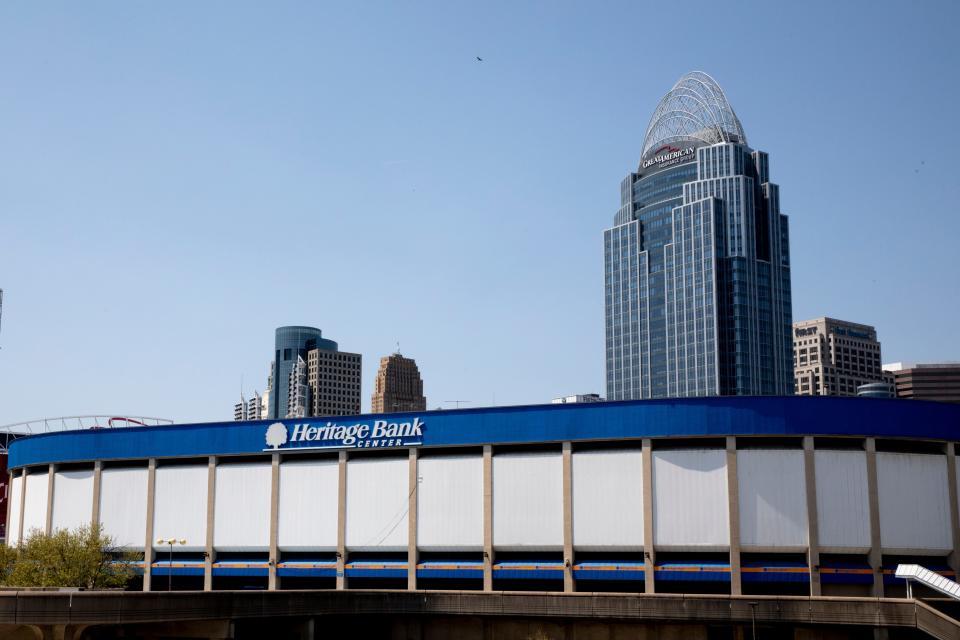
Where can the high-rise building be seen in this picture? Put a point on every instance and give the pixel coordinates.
(939, 382)
(834, 357)
(697, 263)
(398, 386)
(580, 398)
(252, 409)
(332, 376)
(298, 392)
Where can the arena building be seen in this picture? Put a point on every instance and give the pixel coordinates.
(738, 495)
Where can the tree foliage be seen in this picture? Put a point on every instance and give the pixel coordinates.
(83, 557)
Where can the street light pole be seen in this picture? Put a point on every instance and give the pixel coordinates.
(170, 542)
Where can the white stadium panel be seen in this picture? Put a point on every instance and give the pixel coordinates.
(608, 500)
(13, 526)
(528, 501)
(35, 507)
(690, 500)
(450, 503)
(914, 501)
(72, 499)
(378, 501)
(123, 505)
(180, 505)
(773, 498)
(308, 505)
(241, 520)
(843, 502)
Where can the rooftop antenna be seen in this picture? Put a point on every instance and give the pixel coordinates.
(398, 347)
(457, 402)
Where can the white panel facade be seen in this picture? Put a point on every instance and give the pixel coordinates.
(528, 501)
(123, 505)
(308, 505)
(180, 505)
(72, 499)
(773, 498)
(608, 500)
(914, 501)
(843, 503)
(13, 526)
(378, 502)
(241, 520)
(35, 507)
(450, 503)
(690, 503)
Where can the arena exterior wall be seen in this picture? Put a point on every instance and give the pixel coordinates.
(784, 495)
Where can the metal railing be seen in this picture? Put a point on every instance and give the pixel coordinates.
(15, 430)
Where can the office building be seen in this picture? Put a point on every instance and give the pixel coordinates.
(834, 357)
(697, 263)
(398, 386)
(583, 397)
(939, 382)
(332, 376)
(252, 409)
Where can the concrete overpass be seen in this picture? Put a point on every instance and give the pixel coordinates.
(417, 615)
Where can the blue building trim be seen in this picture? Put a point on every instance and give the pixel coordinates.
(688, 417)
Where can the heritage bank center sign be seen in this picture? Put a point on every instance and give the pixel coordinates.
(331, 435)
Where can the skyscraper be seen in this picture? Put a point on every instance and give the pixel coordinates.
(697, 263)
(398, 386)
(332, 376)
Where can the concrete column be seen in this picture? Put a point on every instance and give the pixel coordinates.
(568, 584)
(412, 556)
(733, 494)
(97, 482)
(813, 527)
(954, 558)
(51, 478)
(876, 553)
(148, 544)
(487, 517)
(211, 511)
(649, 551)
(23, 503)
(342, 522)
(6, 533)
(272, 581)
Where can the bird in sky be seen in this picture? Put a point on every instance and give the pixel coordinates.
(479, 59)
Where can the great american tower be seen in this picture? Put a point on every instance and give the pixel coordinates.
(697, 263)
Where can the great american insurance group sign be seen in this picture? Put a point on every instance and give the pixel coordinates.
(332, 435)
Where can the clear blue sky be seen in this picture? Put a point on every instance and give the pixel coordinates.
(177, 179)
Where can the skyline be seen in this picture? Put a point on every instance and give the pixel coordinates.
(148, 170)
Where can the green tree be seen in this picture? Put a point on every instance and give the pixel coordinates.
(84, 557)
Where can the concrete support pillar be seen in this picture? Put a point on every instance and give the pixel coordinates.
(487, 518)
(412, 555)
(6, 533)
(51, 478)
(211, 511)
(876, 549)
(342, 522)
(23, 504)
(813, 526)
(97, 482)
(733, 495)
(148, 542)
(954, 558)
(649, 551)
(273, 582)
(568, 584)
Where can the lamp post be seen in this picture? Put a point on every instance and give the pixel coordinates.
(170, 542)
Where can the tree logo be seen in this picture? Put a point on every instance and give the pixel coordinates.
(276, 435)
